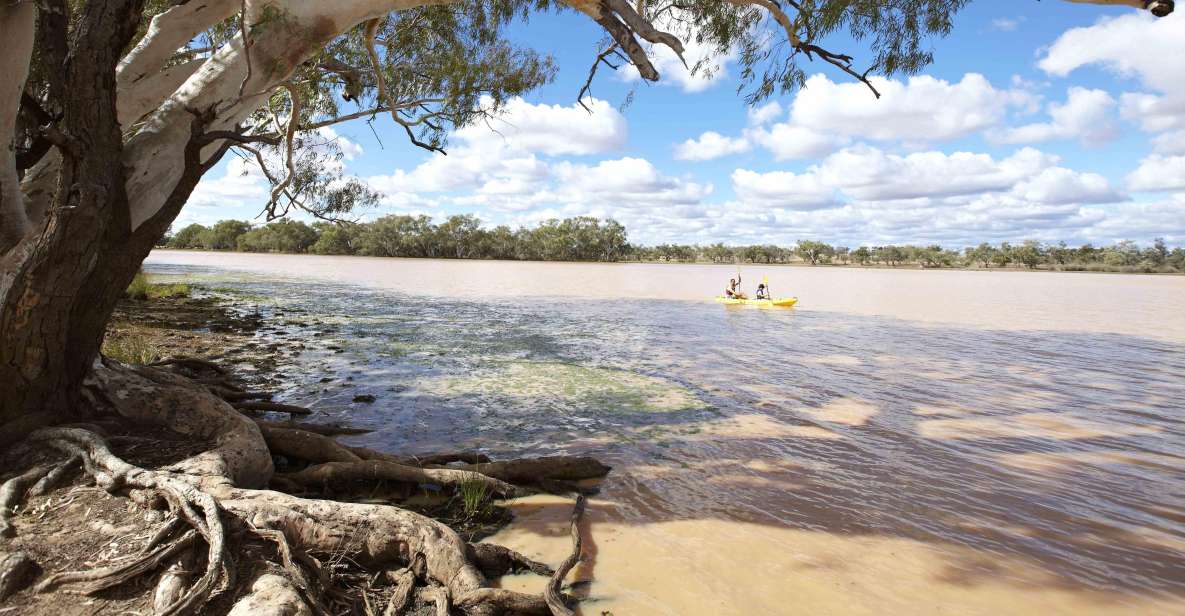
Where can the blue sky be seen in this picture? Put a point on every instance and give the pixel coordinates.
(1043, 120)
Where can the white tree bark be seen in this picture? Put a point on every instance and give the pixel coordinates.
(16, 29)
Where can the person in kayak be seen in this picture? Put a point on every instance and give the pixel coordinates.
(734, 289)
(763, 291)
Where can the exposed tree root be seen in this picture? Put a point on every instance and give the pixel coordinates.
(192, 363)
(314, 539)
(13, 491)
(306, 445)
(95, 580)
(15, 570)
(274, 407)
(322, 429)
(551, 594)
(379, 470)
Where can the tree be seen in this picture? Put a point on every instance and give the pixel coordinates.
(336, 239)
(813, 252)
(862, 255)
(123, 105)
(189, 236)
(224, 235)
(984, 254)
(1028, 254)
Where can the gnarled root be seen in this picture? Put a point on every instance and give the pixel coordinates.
(197, 508)
(13, 491)
(204, 495)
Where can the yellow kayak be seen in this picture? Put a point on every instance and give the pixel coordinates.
(784, 302)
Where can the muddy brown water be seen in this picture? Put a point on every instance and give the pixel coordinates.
(902, 442)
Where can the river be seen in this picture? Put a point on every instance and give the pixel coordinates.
(901, 442)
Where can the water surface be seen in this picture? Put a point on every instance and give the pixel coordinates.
(902, 442)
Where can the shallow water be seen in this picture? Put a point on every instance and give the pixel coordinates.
(901, 442)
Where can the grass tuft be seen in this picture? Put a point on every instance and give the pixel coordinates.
(142, 289)
(130, 347)
(475, 497)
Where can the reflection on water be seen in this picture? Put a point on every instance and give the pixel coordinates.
(793, 461)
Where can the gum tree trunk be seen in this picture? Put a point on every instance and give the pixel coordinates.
(59, 287)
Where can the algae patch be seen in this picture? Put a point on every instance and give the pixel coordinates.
(568, 385)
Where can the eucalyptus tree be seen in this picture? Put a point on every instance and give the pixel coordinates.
(111, 111)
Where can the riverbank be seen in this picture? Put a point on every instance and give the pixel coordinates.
(197, 344)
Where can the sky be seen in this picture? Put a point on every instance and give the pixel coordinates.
(1038, 120)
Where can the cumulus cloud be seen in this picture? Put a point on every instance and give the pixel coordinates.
(626, 182)
(765, 113)
(1134, 45)
(350, 149)
(552, 129)
(1085, 116)
(1170, 143)
(867, 194)
(922, 109)
(710, 145)
(827, 115)
(871, 174)
(241, 182)
(783, 189)
(1158, 173)
(788, 141)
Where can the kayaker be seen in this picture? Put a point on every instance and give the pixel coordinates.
(734, 288)
(763, 291)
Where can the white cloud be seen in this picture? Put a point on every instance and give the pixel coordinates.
(827, 115)
(783, 189)
(552, 129)
(870, 174)
(1170, 143)
(626, 182)
(1058, 186)
(350, 149)
(1134, 45)
(710, 145)
(765, 113)
(1158, 173)
(242, 183)
(1085, 116)
(789, 141)
(922, 109)
(1007, 24)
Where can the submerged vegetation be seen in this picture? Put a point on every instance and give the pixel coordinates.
(591, 239)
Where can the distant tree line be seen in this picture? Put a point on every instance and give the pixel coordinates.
(1124, 256)
(459, 237)
(591, 239)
